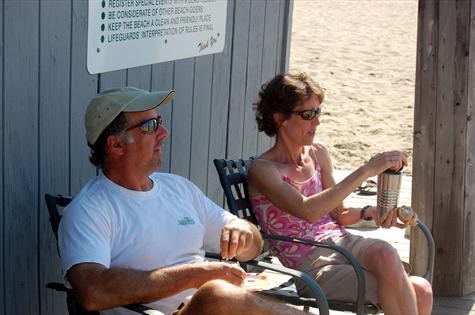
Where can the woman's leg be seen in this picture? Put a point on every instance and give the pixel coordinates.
(387, 283)
(424, 295)
(397, 292)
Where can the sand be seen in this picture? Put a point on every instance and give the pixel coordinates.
(363, 53)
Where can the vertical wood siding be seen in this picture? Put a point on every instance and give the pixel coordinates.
(450, 145)
(2, 166)
(83, 87)
(45, 89)
(162, 79)
(112, 79)
(219, 108)
(424, 127)
(240, 39)
(270, 44)
(468, 268)
(253, 76)
(200, 121)
(443, 141)
(180, 133)
(55, 50)
(21, 143)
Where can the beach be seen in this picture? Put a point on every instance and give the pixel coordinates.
(363, 54)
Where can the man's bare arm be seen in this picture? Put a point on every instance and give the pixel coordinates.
(98, 287)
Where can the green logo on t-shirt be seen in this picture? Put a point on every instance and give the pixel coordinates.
(186, 221)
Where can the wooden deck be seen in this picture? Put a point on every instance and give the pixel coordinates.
(399, 239)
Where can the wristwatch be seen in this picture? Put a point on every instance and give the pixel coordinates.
(362, 213)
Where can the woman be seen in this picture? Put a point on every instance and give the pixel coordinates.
(293, 193)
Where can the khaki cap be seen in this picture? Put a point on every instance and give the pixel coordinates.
(106, 106)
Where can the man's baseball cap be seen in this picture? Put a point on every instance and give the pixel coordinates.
(106, 106)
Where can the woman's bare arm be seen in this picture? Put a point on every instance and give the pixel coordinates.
(265, 179)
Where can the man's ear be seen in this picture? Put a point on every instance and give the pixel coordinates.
(115, 145)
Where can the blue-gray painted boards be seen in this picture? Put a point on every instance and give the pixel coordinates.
(219, 108)
(2, 166)
(162, 79)
(54, 113)
(242, 12)
(200, 122)
(20, 129)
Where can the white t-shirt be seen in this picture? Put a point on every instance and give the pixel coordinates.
(171, 224)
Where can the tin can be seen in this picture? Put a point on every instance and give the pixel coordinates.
(388, 186)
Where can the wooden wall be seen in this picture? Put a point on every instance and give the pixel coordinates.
(45, 89)
(444, 144)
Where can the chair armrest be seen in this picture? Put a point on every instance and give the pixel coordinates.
(311, 283)
(317, 291)
(138, 308)
(431, 246)
(57, 286)
(361, 282)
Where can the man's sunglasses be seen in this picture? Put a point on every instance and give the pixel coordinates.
(308, 114)
(149, 125)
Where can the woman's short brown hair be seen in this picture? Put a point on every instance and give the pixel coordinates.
(282, 94)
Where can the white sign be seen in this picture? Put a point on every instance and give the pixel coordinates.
(131, 33)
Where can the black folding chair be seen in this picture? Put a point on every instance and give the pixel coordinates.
(232, 175)
(57, 202)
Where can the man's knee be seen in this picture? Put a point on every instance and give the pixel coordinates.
(216, 290)
(213, 297)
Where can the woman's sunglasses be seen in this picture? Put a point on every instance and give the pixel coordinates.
(149, 125)
(308, 114)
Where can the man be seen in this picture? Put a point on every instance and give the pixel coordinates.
(132, 235)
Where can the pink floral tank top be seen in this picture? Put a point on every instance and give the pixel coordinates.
(273, 220)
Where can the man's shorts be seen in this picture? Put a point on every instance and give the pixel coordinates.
(334, 273)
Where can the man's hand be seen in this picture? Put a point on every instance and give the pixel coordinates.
(231, 273)
(236, 237)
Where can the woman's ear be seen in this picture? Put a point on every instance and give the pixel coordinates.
(279, 118)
